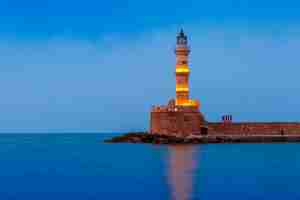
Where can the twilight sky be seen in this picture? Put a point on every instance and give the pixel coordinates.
(98, 66)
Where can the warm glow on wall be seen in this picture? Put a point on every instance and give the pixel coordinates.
(182, 89)
(182, 69)
(187, 102)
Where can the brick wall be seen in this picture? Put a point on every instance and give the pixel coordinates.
(179, 123)
(249, 128)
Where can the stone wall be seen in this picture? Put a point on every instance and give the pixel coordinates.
(249, 128)
(180, 123)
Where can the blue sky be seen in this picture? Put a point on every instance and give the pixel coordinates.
(98, 66)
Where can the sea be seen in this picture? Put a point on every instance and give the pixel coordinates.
(83, 167)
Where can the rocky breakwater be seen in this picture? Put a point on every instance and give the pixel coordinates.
(144, 137)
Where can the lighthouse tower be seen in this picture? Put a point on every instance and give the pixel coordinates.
(181, 116)
(182, 52)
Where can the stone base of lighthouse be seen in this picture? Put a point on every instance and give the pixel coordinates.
(178, 121)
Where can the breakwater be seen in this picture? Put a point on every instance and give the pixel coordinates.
(198, 139)
(254, 128)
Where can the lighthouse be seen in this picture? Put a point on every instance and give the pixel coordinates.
(181, 116)
(182, 72)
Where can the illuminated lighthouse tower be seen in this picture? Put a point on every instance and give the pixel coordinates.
(181, 116)
(182, 52)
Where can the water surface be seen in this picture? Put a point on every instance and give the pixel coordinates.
(81, 166)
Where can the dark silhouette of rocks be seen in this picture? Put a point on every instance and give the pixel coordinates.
(144, 137)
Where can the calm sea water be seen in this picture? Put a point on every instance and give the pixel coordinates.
(80, 166)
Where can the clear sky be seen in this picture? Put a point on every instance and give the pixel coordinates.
(98, 66)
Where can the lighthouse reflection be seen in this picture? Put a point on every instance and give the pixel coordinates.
(182, 165)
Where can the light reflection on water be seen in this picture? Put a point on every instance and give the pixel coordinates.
(182, 163)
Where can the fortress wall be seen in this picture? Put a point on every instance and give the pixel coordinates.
(179, 123)
(252, 128)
